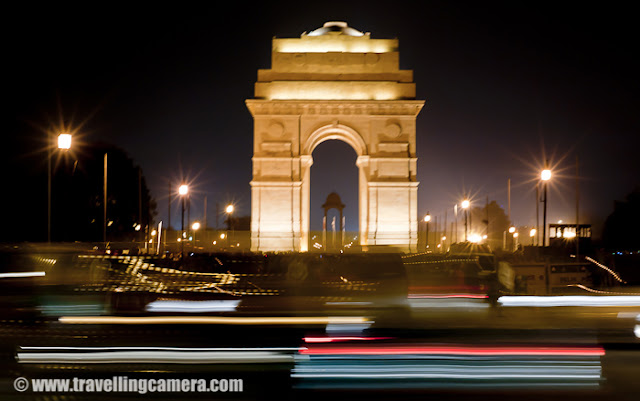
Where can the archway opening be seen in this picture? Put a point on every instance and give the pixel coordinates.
(334, 170)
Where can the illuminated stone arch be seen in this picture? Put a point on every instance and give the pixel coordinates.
(335, 132)
(334, 83)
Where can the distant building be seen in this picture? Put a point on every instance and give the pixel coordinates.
(564, 236)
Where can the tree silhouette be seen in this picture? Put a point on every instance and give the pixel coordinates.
(496, 224)
(620, 231)
(78, 197)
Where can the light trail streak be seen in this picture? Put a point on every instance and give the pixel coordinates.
(274, 320)
(469, 351)
(569, 300)
(193, 306)
(22, 274)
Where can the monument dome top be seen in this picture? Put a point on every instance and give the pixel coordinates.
(335, 28)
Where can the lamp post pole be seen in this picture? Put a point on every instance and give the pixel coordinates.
(545, 176)
(183, 191)
(64, 142)
(104, 202)
(465, 205)
(427, 219)
(229, 209)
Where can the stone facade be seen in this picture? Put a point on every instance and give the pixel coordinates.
(334, 83)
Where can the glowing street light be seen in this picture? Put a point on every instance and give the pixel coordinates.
(64, 143)
(229, 209)
(532, 234)
(512, 229)
(545, 175)
(427, 219)
(195, 226)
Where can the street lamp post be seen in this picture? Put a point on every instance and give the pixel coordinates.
(195, 227)
(183, 190)
(465, 205)
(545, 176)
(229, 210)
(427, 219)
(512, 231)
(64, 142)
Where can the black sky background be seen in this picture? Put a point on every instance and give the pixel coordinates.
(506, 84)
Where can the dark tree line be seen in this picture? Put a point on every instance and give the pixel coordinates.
(78, 200)
(622, 227)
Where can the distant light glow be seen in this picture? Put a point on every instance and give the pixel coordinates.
(195, 226)
(512, 229)
(183, 189)
(427, 218)
(533, 232)
(475, 238)
(223, 236)
(545, 175)
(230, 209)
(465, 204)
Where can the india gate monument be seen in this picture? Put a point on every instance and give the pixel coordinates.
(334, 83)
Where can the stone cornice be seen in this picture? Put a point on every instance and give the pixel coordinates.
(260, 107)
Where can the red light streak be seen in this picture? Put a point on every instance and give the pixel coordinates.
(442, 296)
(339, 339)
(471, 351)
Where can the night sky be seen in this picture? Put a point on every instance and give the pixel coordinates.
(507, 85)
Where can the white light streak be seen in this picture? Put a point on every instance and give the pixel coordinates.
(193, 306)
(22, 274)
(570, 300)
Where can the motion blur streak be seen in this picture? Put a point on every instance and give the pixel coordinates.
(272, 320)
(444, 296)
(453, 367)
(22, 274)
(495, 351)
(570, 300)
(193, 306)
(455, 303)
(156, 357)
(340, 339)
